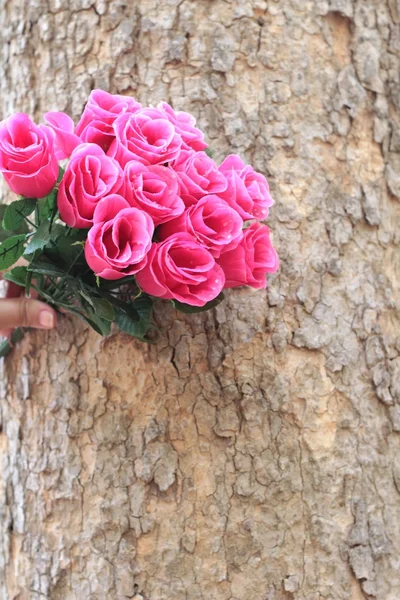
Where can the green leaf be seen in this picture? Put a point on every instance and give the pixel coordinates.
(11, 250)
(189, 310)
(77, 235)
(44, 267)
(209, 152)
(16, 336)
(17, 275)
(58, 231)
(127, 325)
(126, 307)
(4, 234)
(47, 205)
(70, 249)
(144, 307)
(101, 329)
(102, 307)
(116, 283)
(16, 212)
(40, 238)
(92, 307)
(99, 324)
(49, 254)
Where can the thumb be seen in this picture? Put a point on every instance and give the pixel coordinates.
(25, 312)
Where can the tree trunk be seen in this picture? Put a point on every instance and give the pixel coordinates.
(252, 453)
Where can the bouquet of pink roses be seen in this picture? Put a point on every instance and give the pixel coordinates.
(138, 210)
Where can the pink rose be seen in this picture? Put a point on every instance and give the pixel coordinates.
(180, 269)
(100, 133)
(251, 260)
(248, 191)
(63, 127)
(199, 176)
(211, 221)
(185, 125)
(154, 189)
(118, 243)
(27, 156)
(89, 177)
(101, 110)
(146, 136)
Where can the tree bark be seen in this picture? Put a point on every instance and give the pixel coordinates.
(252, 453)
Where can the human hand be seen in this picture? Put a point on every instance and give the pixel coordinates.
(18, 311)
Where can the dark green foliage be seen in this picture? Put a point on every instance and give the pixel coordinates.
(15, 213)
(188, 309)
(11, 250)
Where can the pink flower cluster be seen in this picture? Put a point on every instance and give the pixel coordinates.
(156, 205)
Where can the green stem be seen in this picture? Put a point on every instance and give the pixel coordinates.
(77, 257)
(59, 291)
(52, 219)
(30, 222)
(5, 252)
(52, 288)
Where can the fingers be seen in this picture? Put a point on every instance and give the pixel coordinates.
(13, 290)
(25, 312)
(6, 333)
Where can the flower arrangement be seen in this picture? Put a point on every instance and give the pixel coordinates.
(136, 210)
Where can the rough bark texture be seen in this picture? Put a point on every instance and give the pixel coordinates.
(253, 452)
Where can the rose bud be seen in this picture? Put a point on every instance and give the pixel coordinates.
(118, 243)
(27, 156)
(211, 221)
(251, 260)
(89, 177)
(181, 269)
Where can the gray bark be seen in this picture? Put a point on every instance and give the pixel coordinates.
(253, 452)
